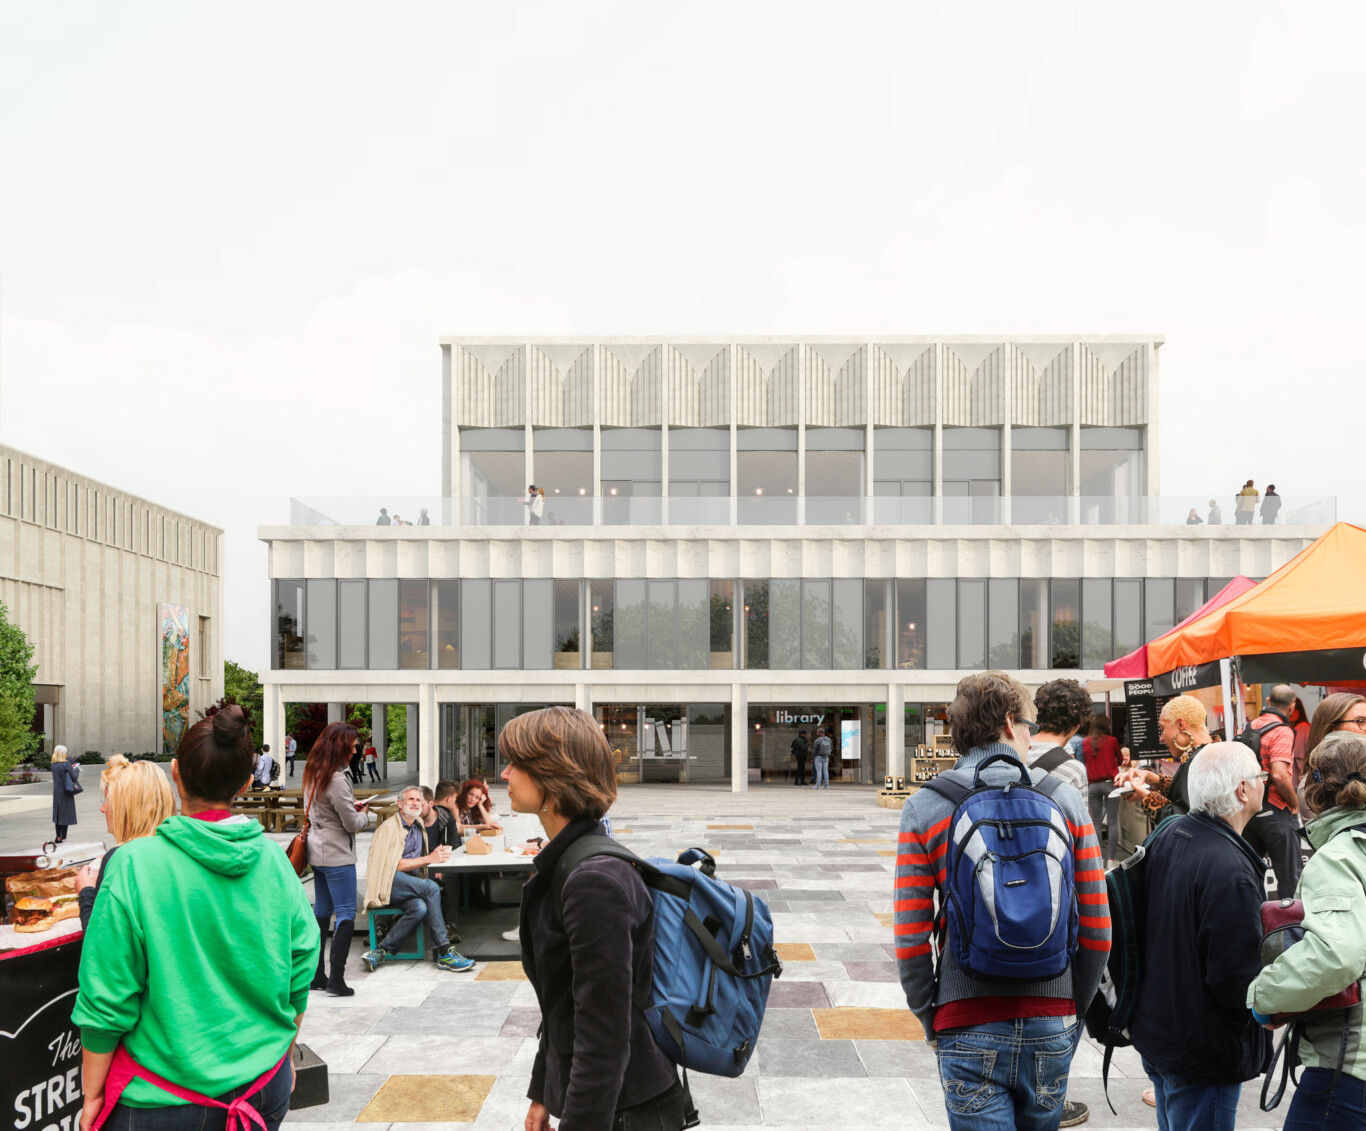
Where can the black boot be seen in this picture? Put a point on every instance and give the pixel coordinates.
(320, 978)
(341, 947)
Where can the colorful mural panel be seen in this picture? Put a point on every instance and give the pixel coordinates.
(175, 675)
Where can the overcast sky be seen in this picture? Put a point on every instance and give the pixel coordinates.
(230, 237)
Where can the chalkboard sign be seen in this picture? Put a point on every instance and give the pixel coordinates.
(40, 1049)
(1143, 707)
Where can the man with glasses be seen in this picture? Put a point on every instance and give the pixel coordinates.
(1274, 832)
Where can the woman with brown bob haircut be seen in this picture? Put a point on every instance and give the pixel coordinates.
(597, 1057)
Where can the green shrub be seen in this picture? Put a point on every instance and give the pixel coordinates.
(91, 758)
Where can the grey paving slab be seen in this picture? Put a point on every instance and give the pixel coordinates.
(852, 952)
(347, 1095)
(871, 971)
(722, 1102)
(806, 895)
(856, 1103)
(790, 1024)
(830, 1060)
(423, 1055)
(852, 867)
(804, 995)
(897, 1058)
(523, 1021)
(755, 885)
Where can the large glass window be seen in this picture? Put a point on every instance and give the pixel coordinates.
(351, 624)
(568, 654)
(538, 623)
(1038, 474)
(722, 597)
(476, 624)
(567, 480)
(1190, 595)
(910, 624)
(756, 624)
(903, 475)
(766, 467)
(662, 631)
(972, 623)
(494, 480)
(1111, 463)
(289, 624)
(412, 624)
(446, 618)
(784, 624)
(971, 475)
(816, 624)
(699, 467)
(875, 623)
(941, 622)
(629, 625)
(1159, 607)
(1097, 632)
(846, 621)
(600, 614)
(1034, 613)
(322, 624)
(693, 632)
(632, 474)
(507, 624)
(1128, 615)
(1066, 631)
(1003, 623)
(383, 635)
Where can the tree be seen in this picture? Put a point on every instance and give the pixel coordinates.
(18, 741)
(243, 687)
(398, 732)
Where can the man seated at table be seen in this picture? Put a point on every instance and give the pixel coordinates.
(395, 876)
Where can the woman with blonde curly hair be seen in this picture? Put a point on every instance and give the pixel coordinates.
(1332, 954)
(1181, 729)
(136, 799)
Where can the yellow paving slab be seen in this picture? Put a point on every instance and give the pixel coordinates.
(730, 826)
(867, 840)
(428, 1099)
(886, 851)
(795, 952)
(501, 972)
(884, 917)
(852, 1023)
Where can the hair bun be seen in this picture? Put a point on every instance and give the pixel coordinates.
(228, 724)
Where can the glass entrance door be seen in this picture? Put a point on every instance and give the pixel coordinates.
(469, 738)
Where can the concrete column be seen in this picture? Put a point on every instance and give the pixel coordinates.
(739, 738)
(379, 735)
(412, 725)
(734, 434)
(273, 724)
(335, 712)
(429, 723)
(583, 697)
(896, 729)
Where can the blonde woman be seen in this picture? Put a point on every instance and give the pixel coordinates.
(1181, 729)
(66, 783)
(136, 799)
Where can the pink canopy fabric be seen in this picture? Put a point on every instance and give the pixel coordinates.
(1135, 664)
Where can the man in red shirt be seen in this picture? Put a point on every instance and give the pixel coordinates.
(1274, 832)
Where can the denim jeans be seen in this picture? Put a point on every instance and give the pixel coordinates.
(1007, 1074)
(1315, 1105)
(1192, 1104)
(820, 771)
(334, 891)
(1101, 804)
(420, 899)
(272, 1102)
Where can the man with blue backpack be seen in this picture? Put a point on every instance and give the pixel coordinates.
(1002, 925)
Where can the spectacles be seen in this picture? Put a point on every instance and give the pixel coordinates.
(1028, 724)
(1358, 722)
(1263, 776)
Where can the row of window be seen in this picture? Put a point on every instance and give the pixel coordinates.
(692, 624)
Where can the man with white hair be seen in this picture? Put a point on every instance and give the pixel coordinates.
(1192, 1027)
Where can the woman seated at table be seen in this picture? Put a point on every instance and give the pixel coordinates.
(474, 809)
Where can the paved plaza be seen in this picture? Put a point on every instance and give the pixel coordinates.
(420, 1048)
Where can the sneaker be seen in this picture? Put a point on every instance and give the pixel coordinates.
(1150, 1097)
(1074, 1114)
(449, 959)
(373, 959)
(514, 935)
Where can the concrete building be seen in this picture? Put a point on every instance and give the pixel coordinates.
(86, 571)
(739, 539)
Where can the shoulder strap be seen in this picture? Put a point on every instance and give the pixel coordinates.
(1048, 785)
(581, 850)
(951, 788)
(1050, 760)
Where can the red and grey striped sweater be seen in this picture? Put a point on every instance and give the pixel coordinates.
(929, 974)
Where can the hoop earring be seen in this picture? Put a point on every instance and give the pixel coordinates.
(1187, 748)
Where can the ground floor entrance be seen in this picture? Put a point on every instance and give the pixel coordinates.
(468, 738)
(668, 742)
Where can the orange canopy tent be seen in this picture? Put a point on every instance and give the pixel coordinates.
(1135, 664)
(1305, 623)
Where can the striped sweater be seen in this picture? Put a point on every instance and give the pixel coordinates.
(929, 973)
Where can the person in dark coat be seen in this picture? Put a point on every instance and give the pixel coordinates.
(66, 783)
(597, 1057)
(1192, 1026)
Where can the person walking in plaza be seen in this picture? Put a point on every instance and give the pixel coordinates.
(1275, 831)
(1216, 514)
(1104, 758)
(353, 765)
(291, 749)
(264, 773)
(66, 783)
(194, 972)
(820, 760)
(1181, 729)
(395, 875)
(141, 801)
(1332, 954)
(334, 819)
(800, 749)
(1271, 505)
(1246, 501)
(1004, 1046)
(588, 964)
(371, 760)
(1197, 1039)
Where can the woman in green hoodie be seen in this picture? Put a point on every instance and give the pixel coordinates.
(195, 967)
(1332, 954)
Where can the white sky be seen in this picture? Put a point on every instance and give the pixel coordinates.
(230, 237)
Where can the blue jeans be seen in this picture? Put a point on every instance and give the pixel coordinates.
(1007, 1074)
(1343, 1108)
(1183, 1103)
(334, 891)
(420, 899)
(820, 771)
(272, 1102)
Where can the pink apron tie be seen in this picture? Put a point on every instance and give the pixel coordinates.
(241, 1115)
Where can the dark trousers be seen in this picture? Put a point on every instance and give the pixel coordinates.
(61, 831)
(801, 771)
(272, 1102)
(1274, 833)
(1320, 1103)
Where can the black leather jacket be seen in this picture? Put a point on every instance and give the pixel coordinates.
(597, 1052)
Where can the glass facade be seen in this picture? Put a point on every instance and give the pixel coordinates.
(691, 624)
(858, 744)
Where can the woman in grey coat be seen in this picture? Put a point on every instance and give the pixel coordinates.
(66, 783)
(334, 818)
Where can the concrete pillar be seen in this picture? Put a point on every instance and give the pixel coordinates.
(429, 724)
(896, 730)
(379, 735)
(739, 738)
(413, 752)
(335, 711)
(273, 722)
(583, 697)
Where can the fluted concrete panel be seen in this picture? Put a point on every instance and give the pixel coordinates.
(886, 406)
(699, 385)
(784, 390)
(614, 390)
(957, 386)
(1114, 384)
(547, 391)
(834, 385)
(578, 393)
(509, 392)
(474, 388)
(988, 388)
(647, 391)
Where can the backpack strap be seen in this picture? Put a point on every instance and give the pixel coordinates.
(950, 786)
(1050, 760)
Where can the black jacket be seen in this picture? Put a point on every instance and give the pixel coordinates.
(597, 1052)
(1204, 898)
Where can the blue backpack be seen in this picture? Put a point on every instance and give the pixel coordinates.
(713, 960)
(1009, 892)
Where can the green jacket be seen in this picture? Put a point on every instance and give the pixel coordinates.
(198, 957)
(1333, 951)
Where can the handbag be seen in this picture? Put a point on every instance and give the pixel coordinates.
(298, 847)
